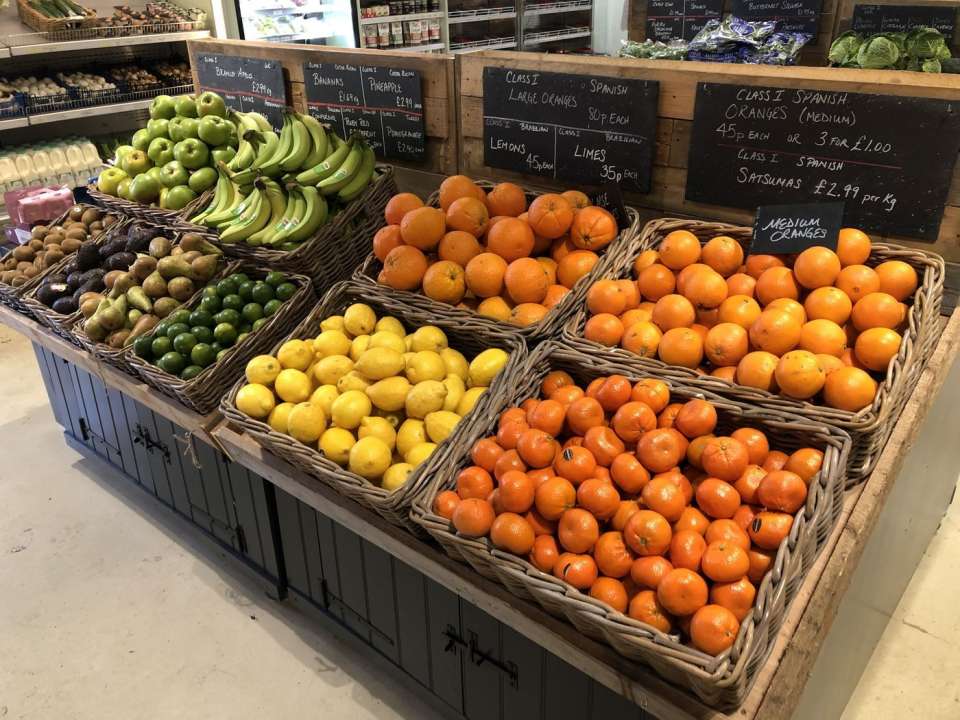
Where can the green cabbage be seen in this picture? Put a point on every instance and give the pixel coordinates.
(843, 50)
(878, 52)
(924, 43)
(931, 66)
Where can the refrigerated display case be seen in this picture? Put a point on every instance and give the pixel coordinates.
(312, 22)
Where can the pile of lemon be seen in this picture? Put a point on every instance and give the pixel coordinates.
(368, 395)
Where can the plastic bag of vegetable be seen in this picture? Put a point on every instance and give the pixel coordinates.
(843, 50)
(878, 52)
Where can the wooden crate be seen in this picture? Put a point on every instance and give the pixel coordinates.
(678, 86)
(439, 98)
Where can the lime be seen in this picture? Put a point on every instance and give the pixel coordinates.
(176, 329)
(226, 287)
(225, 334)
(252, 312)
(286, 290)
(271, 307)
(221, 354)
(275, 279)
(184, 342)
(239, 278)
(179, 316)
(262, 293)
(202, 333)
(201, 318)
(257, 324)
(210, 291)
(210, 304)
(216, 347)
(244, 327)
(246, 290)
(202, 355)
(241, 337)
(161, 328)
(231, 317)
(141, 346)
(173, 363)
(190, 372)
(161, 346)
(233, 302)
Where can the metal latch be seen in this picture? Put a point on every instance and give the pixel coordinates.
(454, 641)
(478, 657)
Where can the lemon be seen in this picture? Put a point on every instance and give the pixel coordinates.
(256, 400)
(394, 418)
(396, 475)
(408, 356)
(391, 325)
(408, 342)
(369, 458)
(331, 342)
(412, 432)
(455, 390)
(352, 381)
(455, 363)
(295, 354)
(330, 369)
(335, 444)
(485, 366)
(418, 453)
(378, 427)
(440, 424)
(424, 398)
(293, 386)
(306, 422)
(469, 399)
(334, 322)
(389, 394)
(359, 319)
(263, 370)
(425, 365)
(324, 397)
(379, 363)
(349, 409)
(384, 339)
(278, 417)
(429, 337)
(359, 346)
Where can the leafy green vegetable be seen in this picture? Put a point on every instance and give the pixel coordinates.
(878, 52)
(924, 43)
(931, 66)
(843, 50)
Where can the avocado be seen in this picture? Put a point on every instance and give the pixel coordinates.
(49, 293)
(88, 257)
(75, 279)
(120, 261)
(65, 306)
(95, 274)
(113, 247)
(138, 238)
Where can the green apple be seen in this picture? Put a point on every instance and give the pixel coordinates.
(186, 106)
(136, 162)
(203, 179)
(178, 198)
(173, 174)
(181, 128)
(234, 139)
(191, 153)
(162, 107)
(158, 128)
(144, 188)
(222, 154)
(123, 189)
(154, 172)
(141, 140)
(121, 153)
(110, 179)
(213, 129)
(209, 103)
(160, 150)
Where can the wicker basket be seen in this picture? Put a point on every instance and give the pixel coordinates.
(552, 323)
(338, 247)
(41, 23)
(720, 681)
(394, 506)
(869, 428)
(203, 392)
(168, 219)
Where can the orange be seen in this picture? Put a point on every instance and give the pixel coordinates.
(599, 497)
(506, 198)
(705, 289)
(593, 228)
(760, 563)
(649, 570)
(485, 452)
(805, 462)
(682, 592)
(511, 239)
(696, 417)
(550, 215)
(512, 533)
(544, 554)
(725, 561)
(853, 247)
(610, 592)
(876, 347)
(459, 247)
(423, 228)
(642, 338)
(757, 369)
(661, 449)
(727, 530)
(714, 629)
(399, 205)
(673, 311)
(536, 448)
(526, 314)
(468, 214)
(605, 329)
(823, 337)
(404, 268)
(725, 458)
(737, 597)
(612, 392)
(646, 608)
(897, 278)
(644, 260)
(829, 363)
(656, 281)
(561, 247)
(445, 503)
(877, 309)
(484, 274)
(386, 239)
(683, 277)
(723, 254)
(775, 461)
(606, 296)
(613, 557)
(664, 496)
(631, 292)
(578, 570)
(799, 375)
(741, 284)
(849, 388)
(739, 309)
(686, 549)
(828, 303)
(555, 295)
(726, 344)
(655, 393)
(755, 265)
(728, 373)
(692, 519)
(526, 281)
(756, 443)
(495, 307)
(549, 267)
(775, 331)
(647, 533)
(554, 497)
(776, 282)
(857, 281)
(681, 346)
(458, 186)
(717, 498)
(748, 482)
(816, 267)
(782, 490)
(679, 249)
(577, 530)
(769, 529)
(444, 282)
(473, 517)
(604, 443)
(574, 266)
(793, 308)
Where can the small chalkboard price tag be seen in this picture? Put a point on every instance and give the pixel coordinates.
(610, 199)
(246, 84)
(781, 229)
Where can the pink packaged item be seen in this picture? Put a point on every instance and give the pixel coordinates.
(29, 206)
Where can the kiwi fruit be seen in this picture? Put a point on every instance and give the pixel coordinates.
(77, 232)
(76, 212)
(23, 253)
(36, 245)
(90, 215)
(39, 231)
(70, 245)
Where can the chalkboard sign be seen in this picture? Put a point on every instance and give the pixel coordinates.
(246, 84)
(791, 15)
(572, 128)
(870, 19)
(610, 199)
(890, 159)
(782, 229)
(668, 19)
(384, 104)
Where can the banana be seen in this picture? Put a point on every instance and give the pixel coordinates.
(273, 167)
(266, 146)
(318, 141)
(251, 223)
(345, 172)
(300, 147)
(222, 197)
(314, 216)
(358, 183)
(296, 206)
(335, 142)
(232, 211)
(244, 157)
(329, 166)
(278, 208)
(262, 123)
(243, 177)
(245, 123)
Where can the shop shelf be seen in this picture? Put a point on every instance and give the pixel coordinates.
(128, 102)
(558, 7)
(555, 35)
(500, 43)
(13, 122)
(468, 16)
(400, 18)
(39, 43)
(419, 48)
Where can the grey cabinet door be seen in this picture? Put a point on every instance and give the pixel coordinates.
(51, 383)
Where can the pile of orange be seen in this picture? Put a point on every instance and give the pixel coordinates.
(634, 500)
(489, 252)
(820, 323)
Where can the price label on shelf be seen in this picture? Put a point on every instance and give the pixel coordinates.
(781, 229)
(669, 19)
(870, 19)
(246, 84)
(384, 104)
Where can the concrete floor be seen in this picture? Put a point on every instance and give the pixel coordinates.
(113, 607)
